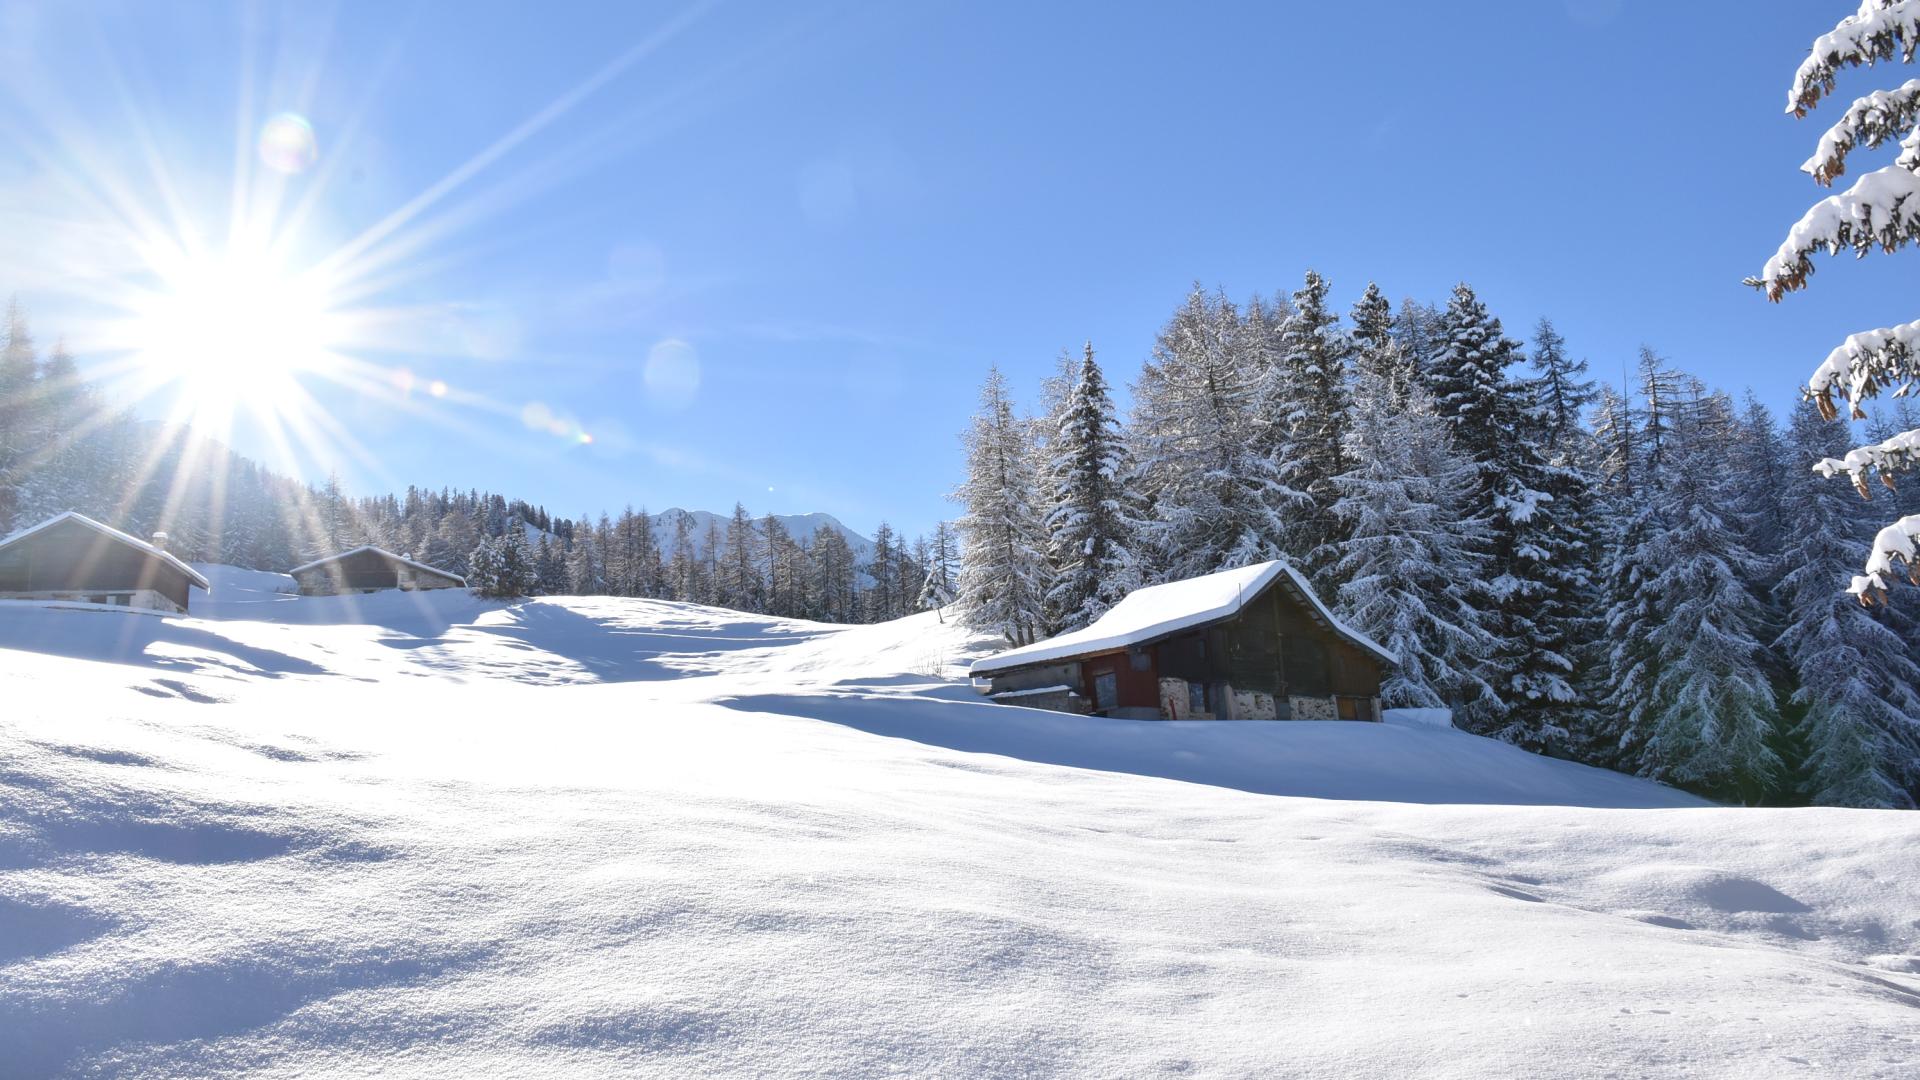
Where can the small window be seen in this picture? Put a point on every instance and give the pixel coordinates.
(121, 599)
(1106, 690)
(1196, 697)
(96, 599)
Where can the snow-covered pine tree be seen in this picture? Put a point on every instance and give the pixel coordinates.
(1494, 423)
(939, 590)
(684, 568)
(551, 567)
(1562, 391)
(19, 376)
(878, 601)
(519, 571)
(1306, 404)
(1880, 210)
(786, 569)
(584, 568)
(1091, 520)
(1003, 572)
(1411, 553)
(1565, 540)
(484, 570)
(830, 588)
(1202, 451)
(1689, 688)
(1379, 357)
(1854, 697)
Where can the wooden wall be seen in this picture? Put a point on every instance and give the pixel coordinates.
(71, 557)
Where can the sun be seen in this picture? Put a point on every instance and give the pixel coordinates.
(231, 330)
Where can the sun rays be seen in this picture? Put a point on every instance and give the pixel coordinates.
(240, 301)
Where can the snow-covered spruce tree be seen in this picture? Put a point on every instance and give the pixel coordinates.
(1091, 521)
(1412, 553)
(484, 570)
(1003, 565)
(1880, 210)
(1855, 698)
(519, 570)
(1689, 689)
(1379, 356)
(1202, 449)
(1567, 538)
(1494, 423)
(1309, 415)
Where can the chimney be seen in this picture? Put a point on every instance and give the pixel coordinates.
(160, 541)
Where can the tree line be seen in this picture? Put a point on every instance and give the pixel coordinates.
(65, 446)
(1650, 577)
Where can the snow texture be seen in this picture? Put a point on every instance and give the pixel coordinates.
(424, 835)
(1159, 610)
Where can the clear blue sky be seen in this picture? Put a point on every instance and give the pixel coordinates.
(846, 212)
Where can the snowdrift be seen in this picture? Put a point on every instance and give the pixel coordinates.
(430, 836)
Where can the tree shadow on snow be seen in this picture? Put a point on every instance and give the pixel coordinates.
(125, 637)
(1313, 759)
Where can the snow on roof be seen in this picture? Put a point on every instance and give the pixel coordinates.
(1159, 610)
(113, 534)
(1036, 691)
(382, 552)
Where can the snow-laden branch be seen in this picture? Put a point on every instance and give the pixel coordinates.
(1870, 121)
(1898, 454)
(1896, 549)
(1881, 209)
(1863, 365)
(1878, 31)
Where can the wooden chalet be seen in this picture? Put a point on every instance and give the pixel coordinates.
(370, 569)
(74, 558)
(1247, 644)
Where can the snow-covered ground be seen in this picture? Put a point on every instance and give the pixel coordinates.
(424, 835)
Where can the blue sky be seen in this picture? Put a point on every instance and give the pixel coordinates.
(841, 214)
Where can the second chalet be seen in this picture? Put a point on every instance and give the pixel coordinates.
(1248, 644)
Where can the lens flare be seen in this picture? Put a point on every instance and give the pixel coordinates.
(287, 144)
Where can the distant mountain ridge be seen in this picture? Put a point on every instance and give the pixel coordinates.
(802, 527)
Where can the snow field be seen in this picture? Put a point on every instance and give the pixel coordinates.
(627, 838)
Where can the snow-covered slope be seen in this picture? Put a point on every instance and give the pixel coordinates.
(424, 835)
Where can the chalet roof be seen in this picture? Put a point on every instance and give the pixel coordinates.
(110, 533)
(1159, 611)
(383, 553)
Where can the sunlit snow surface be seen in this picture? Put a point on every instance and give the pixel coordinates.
(429, 836)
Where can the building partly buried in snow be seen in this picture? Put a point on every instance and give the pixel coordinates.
(1247, 644)
(75, 558)
(370, 569)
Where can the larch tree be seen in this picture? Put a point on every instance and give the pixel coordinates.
(1003, 566)
(1411, 551)
(1092, 521)
(738, 584)
(1202, 449)
(1879, 210)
